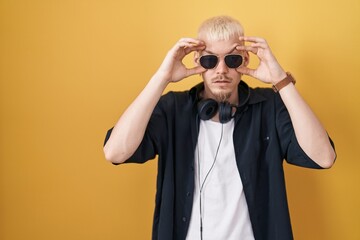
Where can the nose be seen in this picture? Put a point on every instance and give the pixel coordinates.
(221, 68)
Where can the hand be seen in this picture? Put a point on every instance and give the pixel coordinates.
(172, 68)
(268, 70)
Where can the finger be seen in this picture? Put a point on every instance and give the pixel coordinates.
(254, 40)
(185, 44)
(251, 39)
(190, 45)
(192, 41)
(195, 70)
(263, 45)
(184, 48)
(254, 50)
(246, 71)
(187, 39)
(194, 48)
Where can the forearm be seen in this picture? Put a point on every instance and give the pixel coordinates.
(309, 131)
(129, 131)
(130, 128)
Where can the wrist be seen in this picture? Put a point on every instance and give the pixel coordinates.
(161, 80)
(283, 82)
(279, 77)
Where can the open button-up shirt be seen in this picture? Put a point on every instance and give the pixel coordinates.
(263, 137)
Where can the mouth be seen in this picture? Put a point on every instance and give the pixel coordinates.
(221, 82)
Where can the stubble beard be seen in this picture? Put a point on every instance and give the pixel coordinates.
(222, 96)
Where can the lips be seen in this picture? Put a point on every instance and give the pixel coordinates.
(221, 79)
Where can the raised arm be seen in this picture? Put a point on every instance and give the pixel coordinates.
(128, 132)
(309, 131)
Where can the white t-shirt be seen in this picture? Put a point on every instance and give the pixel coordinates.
(225, 213)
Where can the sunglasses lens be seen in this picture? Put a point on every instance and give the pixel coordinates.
(208, 61)
(233, 61)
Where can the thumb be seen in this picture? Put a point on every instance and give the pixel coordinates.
(246, 71)
(195, 70)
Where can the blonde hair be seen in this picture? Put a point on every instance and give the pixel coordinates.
(220, 28)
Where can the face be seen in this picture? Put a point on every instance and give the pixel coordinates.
(221, 82)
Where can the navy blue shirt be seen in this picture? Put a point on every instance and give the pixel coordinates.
(263, 137)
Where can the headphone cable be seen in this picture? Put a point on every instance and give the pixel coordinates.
(202, 185)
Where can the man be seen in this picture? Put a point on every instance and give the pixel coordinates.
(221, 145)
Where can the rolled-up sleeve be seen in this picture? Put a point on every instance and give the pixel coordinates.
(291, 150)
(149, 145)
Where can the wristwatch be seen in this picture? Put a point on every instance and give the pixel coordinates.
(283, 83)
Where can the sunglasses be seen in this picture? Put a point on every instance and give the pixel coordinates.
(231, 60)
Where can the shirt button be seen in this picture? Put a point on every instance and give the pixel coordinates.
(188, 194)
(184, 219)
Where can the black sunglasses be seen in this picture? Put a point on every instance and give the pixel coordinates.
(231, 60)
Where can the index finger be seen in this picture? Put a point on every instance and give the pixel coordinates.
(192, 41)
(193, 47)
(252, 39)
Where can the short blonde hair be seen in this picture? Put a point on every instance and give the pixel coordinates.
(220, 28)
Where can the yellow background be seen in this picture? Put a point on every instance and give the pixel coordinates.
(69, 68)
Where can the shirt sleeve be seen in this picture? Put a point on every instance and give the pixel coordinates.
(149, 145)
(290, 147)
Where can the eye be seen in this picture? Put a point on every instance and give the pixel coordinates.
(208, 61)
(233, 60)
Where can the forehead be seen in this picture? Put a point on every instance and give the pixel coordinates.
(221, 46)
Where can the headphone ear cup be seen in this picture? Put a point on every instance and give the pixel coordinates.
(207, 108)
(225, 112)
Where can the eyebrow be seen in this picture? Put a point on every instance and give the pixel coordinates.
(210, 52)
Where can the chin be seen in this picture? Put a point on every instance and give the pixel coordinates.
(222, 96)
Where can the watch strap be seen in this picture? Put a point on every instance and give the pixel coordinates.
(283, 83)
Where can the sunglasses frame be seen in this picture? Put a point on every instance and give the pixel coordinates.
(217, 57)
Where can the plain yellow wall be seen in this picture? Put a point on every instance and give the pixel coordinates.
(69, 68)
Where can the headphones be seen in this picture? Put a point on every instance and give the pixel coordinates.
(207, 108)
